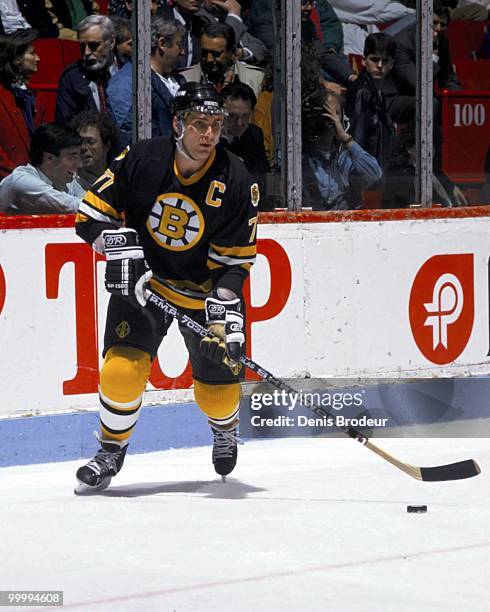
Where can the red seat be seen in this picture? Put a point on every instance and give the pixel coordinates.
(465, 135)
(465, 38)
(70, 50)
(473, 74)
(356, 62)
(51, 65)
(103, 6)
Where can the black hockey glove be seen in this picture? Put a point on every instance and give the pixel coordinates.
(225, 321)
(126, 272)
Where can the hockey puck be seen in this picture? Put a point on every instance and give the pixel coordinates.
(416, 509)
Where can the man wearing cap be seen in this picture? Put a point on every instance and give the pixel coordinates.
(184, 213)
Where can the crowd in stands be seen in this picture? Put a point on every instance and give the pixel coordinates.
(358, 94)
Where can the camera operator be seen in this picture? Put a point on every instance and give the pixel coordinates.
(335, 167)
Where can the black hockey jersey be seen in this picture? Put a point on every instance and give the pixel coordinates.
(197, 233)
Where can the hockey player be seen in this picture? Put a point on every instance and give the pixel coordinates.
(180, 214)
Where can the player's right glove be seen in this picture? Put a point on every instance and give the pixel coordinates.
(126, 272)
(225, 322)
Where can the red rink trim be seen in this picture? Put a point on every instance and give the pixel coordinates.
(404, 214)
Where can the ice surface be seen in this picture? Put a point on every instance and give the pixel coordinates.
(303, 525)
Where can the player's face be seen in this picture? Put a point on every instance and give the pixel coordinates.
(238, 118)
(63, 167)
(93, 151)
(96, 52)
(202, 133)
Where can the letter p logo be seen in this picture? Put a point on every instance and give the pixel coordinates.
(441, 308)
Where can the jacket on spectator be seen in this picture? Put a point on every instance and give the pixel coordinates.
(370, 123)
(332, 180)
(250, 75)
(14, 135)
(404, 68)
(29, 191)
(262, 24)
(243, 37)
(75, 94)
(359, 17)
(119, 93)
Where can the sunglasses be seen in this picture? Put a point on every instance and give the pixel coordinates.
(215, 54)
(93, 46)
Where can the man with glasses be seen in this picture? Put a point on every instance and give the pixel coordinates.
(184, 214)
(166, 49)
(219, 65)
(83, 84)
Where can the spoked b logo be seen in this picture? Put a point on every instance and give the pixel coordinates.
(442, 307)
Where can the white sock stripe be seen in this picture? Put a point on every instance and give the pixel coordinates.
(226, 420)
(117, 422)
(119, 405)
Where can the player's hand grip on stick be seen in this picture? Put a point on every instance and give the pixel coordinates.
(436, 473)
(225, 322)
(127, 271)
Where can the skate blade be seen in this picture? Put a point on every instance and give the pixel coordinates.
(223, 478)
(85, 489)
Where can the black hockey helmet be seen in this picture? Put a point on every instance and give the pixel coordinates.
(197, 97)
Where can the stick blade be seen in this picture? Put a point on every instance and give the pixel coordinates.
(452, 471)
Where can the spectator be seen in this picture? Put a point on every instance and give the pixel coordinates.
(48, 184)
(218, 64)
(166, 48)
(21, 111)
(124, 8)
(404, 70)
(328, 41)
(360, 17)
(335, 167)
(184, 11)
(23, 15)
(124, 40)
(242, 137)
(399, 189)
(83, 84)
(100, 144)
(369, 97)
(121, 8)
(249, 48)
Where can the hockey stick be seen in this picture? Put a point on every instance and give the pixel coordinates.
(451, 471)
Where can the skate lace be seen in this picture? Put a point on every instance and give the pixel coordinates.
(104, 461)
(225, 443)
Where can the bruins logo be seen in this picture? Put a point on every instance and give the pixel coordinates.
(175, 222)
(255, 194)
(123, 329)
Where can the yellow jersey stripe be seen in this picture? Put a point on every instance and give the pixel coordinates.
(197, 175)
(177, 298)
(99, 205)
(237, 251)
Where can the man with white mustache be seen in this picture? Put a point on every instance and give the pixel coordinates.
(83, 84)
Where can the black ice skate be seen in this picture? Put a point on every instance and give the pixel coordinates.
(225, 450)
(97, 474)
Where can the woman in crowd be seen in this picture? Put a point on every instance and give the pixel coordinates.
(21, 110)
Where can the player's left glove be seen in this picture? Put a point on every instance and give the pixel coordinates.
(225, 321)
(126, 272)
